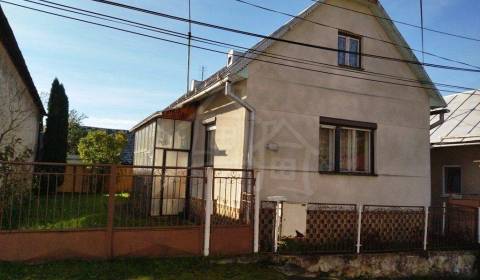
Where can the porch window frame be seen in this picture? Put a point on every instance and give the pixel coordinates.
(160, 151)
(337, 125)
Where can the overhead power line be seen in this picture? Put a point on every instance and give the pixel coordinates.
(362, 35)
(221, 52)
(248, 33)
(466, 37)
(74, 10)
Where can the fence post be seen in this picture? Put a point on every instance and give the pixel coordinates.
(111, 208)
(256, 221)
(425, 232)
(478, 225)
(278, 222)
(444, 214)
(208, 210)
(359, 227)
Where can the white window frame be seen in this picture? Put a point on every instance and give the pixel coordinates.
(331, 147)
(444, 173)
(347, 48)
(353, 156)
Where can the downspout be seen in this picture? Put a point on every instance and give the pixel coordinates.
(251, 120)
(251, 129)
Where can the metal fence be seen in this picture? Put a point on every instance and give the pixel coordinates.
(268, 226)
(392, 228)
(233, 196)
(40, 196)
(330, 228)
(453, 227)
(344, 228)
(53, 196)
(160, 196)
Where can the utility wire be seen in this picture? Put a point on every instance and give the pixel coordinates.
(466, 37)
(222, 44)
(421, 31)
(177, 18)
(221, 52)
(362, 35)
(189, 48)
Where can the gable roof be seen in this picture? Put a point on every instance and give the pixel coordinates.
(7, 39)
(462, 123)
(436, 99)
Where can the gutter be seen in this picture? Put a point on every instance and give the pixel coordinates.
(202, 93)
(251, 128)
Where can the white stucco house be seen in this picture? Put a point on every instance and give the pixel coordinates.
(327, 131)
(21, 110)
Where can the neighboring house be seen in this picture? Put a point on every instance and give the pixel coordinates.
(21, 109)
(313, 137)
(455, 152)
(127, 153)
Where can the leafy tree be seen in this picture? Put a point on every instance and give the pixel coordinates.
(56, 134)
(100, 147)
(75, 130)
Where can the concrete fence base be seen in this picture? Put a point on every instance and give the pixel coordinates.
(389, 265)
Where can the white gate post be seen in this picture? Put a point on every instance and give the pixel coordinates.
(425, 232)
(359, 227)
(256, 222)
(208, 210)
(278, 221)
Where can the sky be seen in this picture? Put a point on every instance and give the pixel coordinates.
(117, 79)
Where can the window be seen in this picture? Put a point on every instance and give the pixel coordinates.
(346, 146)
(173, 134)
(209, 145)
(452, 179)
(349, 50)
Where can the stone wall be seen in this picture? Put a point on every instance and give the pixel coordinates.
(391, 265)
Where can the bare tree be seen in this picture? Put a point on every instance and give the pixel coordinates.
(15, 111)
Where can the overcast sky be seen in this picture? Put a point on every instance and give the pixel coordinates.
(117, 79)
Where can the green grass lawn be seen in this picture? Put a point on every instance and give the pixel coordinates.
(147, 269)
(73, 210)
(139, 269)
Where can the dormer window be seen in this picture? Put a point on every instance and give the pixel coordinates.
(348, 50)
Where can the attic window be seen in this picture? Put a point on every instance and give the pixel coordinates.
(349, 47)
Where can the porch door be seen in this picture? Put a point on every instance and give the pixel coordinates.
(172, 149)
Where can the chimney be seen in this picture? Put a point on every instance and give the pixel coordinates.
(233, 57)
(194, 84)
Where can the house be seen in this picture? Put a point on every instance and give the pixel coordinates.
(21, 110)
(330, 135)
(455, 149)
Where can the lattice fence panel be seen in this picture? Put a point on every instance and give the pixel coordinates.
(331, 228)
(392, 228)
(267, 226)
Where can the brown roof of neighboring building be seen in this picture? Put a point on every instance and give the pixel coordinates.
(7, 39)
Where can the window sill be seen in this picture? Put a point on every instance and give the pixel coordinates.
(348, 173)
(351, 67)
